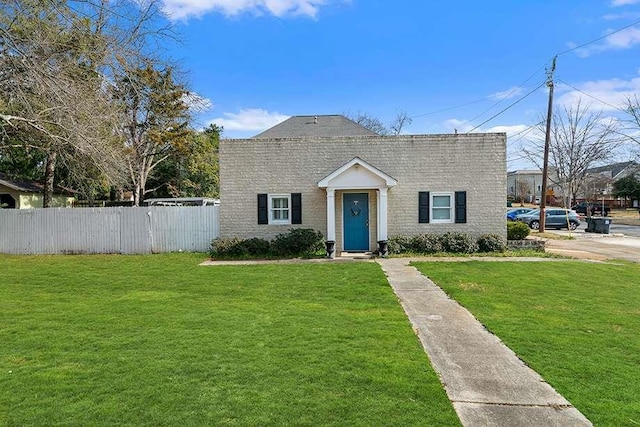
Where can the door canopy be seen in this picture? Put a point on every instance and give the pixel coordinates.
(357, 175)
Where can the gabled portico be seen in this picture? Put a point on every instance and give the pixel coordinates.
(351, 177)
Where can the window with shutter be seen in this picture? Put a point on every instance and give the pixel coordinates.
(423, 207)
(461, 207)
(263, 210)
(296, 208)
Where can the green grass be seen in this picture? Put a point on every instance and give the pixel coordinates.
(519, 253)
(577, 324)
(159, 340)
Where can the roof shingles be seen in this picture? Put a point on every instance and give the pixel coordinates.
(315, 126)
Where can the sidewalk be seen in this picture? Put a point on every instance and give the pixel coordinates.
(486, 382)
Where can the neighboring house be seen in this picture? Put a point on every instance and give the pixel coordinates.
(524, 183)
(599, 181)
(358, 188)
(28, 194)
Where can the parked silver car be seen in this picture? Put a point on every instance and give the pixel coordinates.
(554, 218)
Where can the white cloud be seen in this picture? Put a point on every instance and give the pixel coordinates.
(509, 130)
(249, 120)
(616, 3)
(624, 39)
(512, 92)
(624, 15)
(461, 126)
(606, 95)
(184, 9)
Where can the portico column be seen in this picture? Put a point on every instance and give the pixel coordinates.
(331, 222)
(382, 222)
(382, 214)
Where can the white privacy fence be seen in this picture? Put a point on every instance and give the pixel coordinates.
(125, 230)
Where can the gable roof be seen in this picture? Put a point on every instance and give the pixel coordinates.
(315, 126)
(356, 162)
(615, 169)
(30, 186)
(24, 186)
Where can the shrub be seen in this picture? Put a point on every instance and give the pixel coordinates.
(225, 248)
(491, 243)
(456, 242)
(298, 241)
(426, 244)
(517, 230)
(398, 244)
(256, 246)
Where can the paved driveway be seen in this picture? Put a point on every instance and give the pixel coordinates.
(596, 246)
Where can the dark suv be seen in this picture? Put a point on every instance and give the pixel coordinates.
(593, 207)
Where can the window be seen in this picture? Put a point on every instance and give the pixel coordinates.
(279, 208)
(441, 207)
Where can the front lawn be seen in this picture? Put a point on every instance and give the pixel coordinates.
(576, 324)
(159, 340)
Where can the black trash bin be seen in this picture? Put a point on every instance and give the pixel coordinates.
(601, 224)
(591, 225)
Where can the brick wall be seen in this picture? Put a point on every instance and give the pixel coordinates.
(474, 163)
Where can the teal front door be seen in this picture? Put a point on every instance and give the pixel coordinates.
(355, 207)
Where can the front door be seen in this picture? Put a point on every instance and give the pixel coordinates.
(355, 216)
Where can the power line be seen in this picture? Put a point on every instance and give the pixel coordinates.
(591, 96)
(486, 98)
(503, 99)
(509, 106)
(451, 108)
(599, 38)
(523, 132)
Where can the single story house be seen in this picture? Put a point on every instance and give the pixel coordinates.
(359, 188)
(29, 194)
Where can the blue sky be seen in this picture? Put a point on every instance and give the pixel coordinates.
(261, 61)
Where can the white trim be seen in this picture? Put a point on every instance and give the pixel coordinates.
(356, 161)
(331, 214)
(272, 221)
(451, 219)
(381, 232)
(368, 218)
(358, 176)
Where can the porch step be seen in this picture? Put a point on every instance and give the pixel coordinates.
(355, 255)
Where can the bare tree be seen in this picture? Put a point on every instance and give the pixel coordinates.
(402, 119)
(376, 125)
(631, 124)
(368, 121)
(57, 59)
(579, 140)
(595, 186)
(523, 188)
(154, 122)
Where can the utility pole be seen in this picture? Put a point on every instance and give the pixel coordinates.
(547, 142)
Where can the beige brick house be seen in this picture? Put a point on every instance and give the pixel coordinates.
(359, 188)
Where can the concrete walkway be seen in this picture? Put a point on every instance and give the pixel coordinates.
(486, 382)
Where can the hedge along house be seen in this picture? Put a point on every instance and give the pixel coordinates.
(359, 188)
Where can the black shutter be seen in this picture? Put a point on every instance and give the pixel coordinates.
(423, 207)
(296, 208)
(263, 210)
(461, 207)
